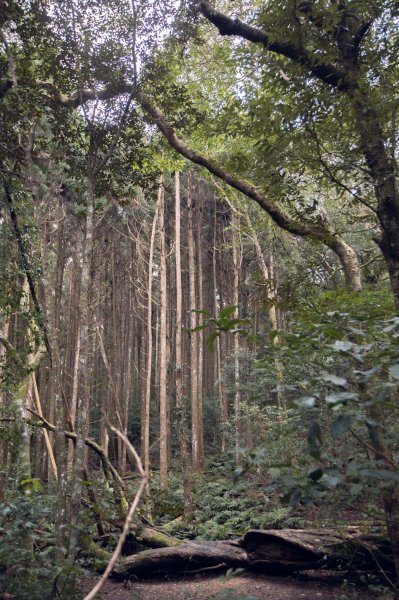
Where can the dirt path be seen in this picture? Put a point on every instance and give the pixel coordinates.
(261, 587)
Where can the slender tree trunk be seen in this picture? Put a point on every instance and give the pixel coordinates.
(221, 388)
(236, 301)
(145, 416)
(21, 400)
(195, 410)
(127, 388)
(268, 275)
(349, 262)
(72, 352)
(163, 349)
(200, 334)
(181, 417)
(83, 402)
(5, 329)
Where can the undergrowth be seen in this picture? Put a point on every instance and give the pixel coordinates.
(222, 510)
(28, 565)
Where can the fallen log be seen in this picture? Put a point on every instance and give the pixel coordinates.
(302, 549)
(154, 538)
(285, 551)
(189, 556)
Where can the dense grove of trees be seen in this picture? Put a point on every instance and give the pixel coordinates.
(199, 248)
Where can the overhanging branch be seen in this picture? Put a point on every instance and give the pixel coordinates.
(323, 70)
(279, 216)
(319, 232)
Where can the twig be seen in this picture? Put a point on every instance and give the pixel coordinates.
(71, 435)
(129, 517)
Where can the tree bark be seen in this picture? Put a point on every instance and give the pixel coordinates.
(270, 551)
(84, 392)
(195, 409)
(110, 473)
(223, 401)
(145, 413)
(200, 319)
(163, 350)
(181, 416)
(236, 252)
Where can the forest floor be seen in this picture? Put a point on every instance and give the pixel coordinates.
(258, 586)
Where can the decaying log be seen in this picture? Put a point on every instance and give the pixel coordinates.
(286, 550)
(301, 549)
(189, 556)
(154, 538)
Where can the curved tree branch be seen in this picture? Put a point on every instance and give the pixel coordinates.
(284, 220)
(322, 69)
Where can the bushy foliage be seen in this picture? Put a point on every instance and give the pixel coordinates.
(223, 508)
(342, 371)
(27, 558)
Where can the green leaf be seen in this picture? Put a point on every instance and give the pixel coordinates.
(316, 474)
(238, 472)
(364, 376)
(342, 345)
(295, 498)
(394, 371)
(340, 397)
(394, 325)
(380, 474)
(332, 480)
(341, 424)
(305, 401)
(198, 328)
(334, 380)
(314, 440)
(227, 312)
(210, 340)
(356, 489)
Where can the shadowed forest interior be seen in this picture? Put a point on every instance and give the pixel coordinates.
(199, 267)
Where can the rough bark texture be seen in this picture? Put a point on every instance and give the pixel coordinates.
(164, 353)
(186, 557)
(284, 551)
(84, 395)
(188, 503)
(145, 414)
(196, 443)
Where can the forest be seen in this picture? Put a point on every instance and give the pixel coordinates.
(199, 299)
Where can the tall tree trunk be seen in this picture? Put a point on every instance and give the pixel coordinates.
(181, 417)
(72, 351)
(5, 328)
(223, 402)
(83, 402)
(21, 400)
(145, 413)
(163, 350)
(236, 302)
(127, 381)
(200, 334)
(195, 410)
